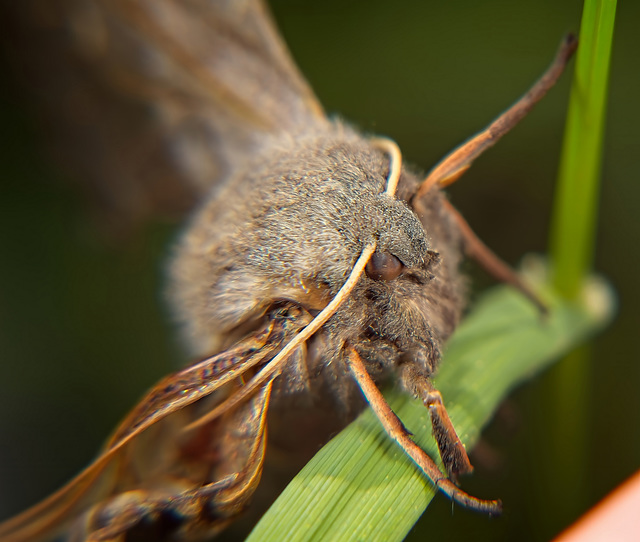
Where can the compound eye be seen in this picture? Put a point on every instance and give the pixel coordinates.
(383, 266)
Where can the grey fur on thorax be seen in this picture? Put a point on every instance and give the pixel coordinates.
(298, 215)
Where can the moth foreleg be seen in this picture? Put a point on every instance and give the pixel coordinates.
(397, 431)
(456, 163)
(452, 451)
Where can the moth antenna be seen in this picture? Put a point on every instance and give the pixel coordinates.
(395, 162)
(456, 163)
(271, 369)
(397, 431)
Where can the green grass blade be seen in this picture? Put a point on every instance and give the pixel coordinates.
(575, 211)
(361, 486)
(572, 251)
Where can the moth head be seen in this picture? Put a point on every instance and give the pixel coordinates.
(402, 241)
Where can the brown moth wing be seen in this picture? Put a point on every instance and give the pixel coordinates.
(152, 460)
(203, 484)
(181, 90)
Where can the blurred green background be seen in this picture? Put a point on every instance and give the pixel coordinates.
(83, 329)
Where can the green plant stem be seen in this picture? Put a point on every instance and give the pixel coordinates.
(572, 252)
(575, 212)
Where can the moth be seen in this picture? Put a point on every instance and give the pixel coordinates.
(316, 267)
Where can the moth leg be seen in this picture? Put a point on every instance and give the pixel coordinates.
(206, 508)
(397, 431)
(492, 264)
(243, 445)
(112, 520)
(452, 451)
(242, 438)
(220, 501)
(456, 163)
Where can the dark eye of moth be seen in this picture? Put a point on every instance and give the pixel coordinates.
(383, 266)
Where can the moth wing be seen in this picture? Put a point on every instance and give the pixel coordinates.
(152, 103)
(134, 454)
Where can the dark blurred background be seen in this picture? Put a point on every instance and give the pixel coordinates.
(83, 328)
